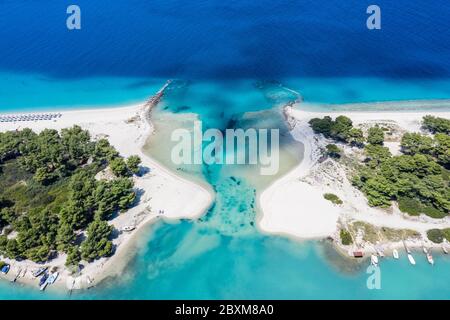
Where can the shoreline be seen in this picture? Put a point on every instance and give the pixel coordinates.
(127, 128)
(293, 206)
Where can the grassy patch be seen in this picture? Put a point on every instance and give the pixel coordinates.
(373, 234)
(414, 208)
(346, 237)
(333, 198)
(435, 235)
(446, 233)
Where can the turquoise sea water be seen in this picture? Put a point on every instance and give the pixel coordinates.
(222, 255)
(27, 92)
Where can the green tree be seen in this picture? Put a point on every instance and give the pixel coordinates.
(97, 244)
(333, 151)
(376, 154)
(413, 143)
(322, 125)
(119, 167)
(341, 128)
(442, 149)
(73, 256)
(77, 145)
(12, 250)
(379, 191)
(104, 152)
(133, 163)
(38, 254)
(65, 236)
(356, 137)
(375, 135)
(436, 125)
(113, 195)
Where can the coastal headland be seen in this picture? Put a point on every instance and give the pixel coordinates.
(162, 194)
(295, 205)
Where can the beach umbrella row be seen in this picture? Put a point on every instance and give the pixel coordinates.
(30, 117)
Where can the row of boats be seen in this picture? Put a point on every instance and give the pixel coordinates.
(379, 253)
(45, 278)
(30, 117)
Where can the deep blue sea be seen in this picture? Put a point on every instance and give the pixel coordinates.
(222, 51)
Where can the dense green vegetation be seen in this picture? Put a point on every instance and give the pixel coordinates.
(49, 195)
(438, 235)
(375, 135)
(346, 237)
(435, 235)
(436, 125)
(418, 178)
(333, 198)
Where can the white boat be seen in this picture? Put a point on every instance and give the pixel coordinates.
(430, 259)
(425, 250)
(374, 260)
(444, 249)
(43, 286)
(52, 278)
(128, 228)
(395, 253)
(411, 259)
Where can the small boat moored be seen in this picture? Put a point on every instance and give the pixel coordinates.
(5, 268)
(411, 259)
(395, 253)
(425, 250)
(43, 279)
(444, 249)
(52, 278)
(430, 259)
(128, 228)
(38, 272)
(43, 286)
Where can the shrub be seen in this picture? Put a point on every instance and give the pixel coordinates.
(119, 167)
(375, 135)
(346, 237)
(414, 207)
(409, 205)
(133, 163)
(435, 235)
(436, 125)
(333, 151)
(333, 198)
(446, 233)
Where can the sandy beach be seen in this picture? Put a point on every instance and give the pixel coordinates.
(161, 193)
(294, 205)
